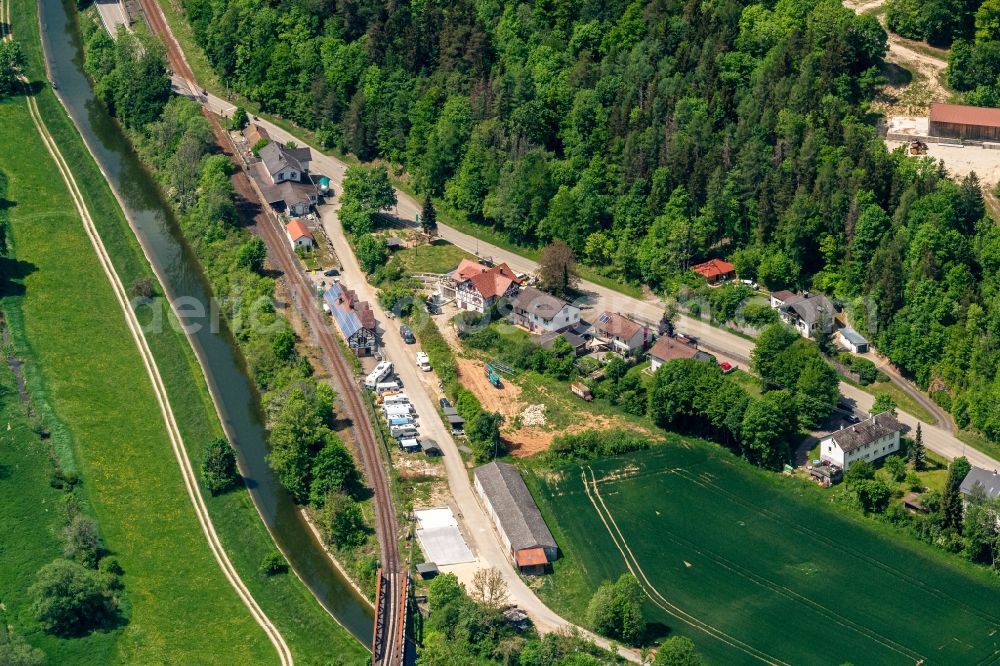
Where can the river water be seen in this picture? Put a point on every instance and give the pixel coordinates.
(160, 234)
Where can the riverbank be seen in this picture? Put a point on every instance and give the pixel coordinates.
(283, 597)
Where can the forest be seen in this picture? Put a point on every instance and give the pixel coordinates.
(651, 135)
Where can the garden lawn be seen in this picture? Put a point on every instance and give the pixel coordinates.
(182, 608)
(761, 565)
(312, 634)
(438, 257)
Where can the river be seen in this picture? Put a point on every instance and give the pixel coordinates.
(224, 368)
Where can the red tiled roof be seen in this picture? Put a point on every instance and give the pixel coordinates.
(714, 268)
(531, 557)
(617, 325)
(489, 282)
(296, 230)
(466, 269)
(667, 348)
(960, 114)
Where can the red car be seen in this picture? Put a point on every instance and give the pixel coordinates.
(727, 367)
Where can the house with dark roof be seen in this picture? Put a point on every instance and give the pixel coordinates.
(807, 313)
(980, 483)
(870, 440)
(516, 517)
(537, 311)
(715, 271)
(478, 287)
(621, 333)
(573, 339)
(354, 318)
(298, 234)
(282, 174)
(667, 348)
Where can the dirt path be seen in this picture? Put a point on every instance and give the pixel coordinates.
(173, 431)
(914, 97)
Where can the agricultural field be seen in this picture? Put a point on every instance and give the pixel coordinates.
(755, 568)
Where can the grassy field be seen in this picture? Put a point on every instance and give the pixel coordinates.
(753, 567)
(103, 395)
(314, 636)
(32, 516)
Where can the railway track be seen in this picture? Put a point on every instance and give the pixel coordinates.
(303, 295)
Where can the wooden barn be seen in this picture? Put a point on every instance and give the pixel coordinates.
(957, 121)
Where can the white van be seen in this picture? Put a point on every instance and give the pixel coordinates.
(403, 431)
(423, 361)
(381, 371)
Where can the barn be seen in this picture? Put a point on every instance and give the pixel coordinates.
(957, 121)
(516, 516)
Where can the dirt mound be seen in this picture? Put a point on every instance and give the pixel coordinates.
(533, 415)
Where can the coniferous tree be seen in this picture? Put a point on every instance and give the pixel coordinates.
(428, 216)
(918, 454)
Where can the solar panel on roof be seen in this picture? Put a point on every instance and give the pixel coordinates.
(604, 318)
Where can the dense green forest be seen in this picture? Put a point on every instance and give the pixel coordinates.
(648, 135)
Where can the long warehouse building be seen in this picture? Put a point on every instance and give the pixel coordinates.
(510, 505)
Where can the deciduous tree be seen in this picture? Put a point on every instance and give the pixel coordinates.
(219, 467)
(557, 269)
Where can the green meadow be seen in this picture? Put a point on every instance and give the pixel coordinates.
(755, 568)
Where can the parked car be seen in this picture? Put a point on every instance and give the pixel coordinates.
(331, 272)
(445, 403)
(853, 418)
(726, 367)
(407, 334)
(750, 283)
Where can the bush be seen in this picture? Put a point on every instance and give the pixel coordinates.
(438, 351)
(592, 444)
(67, 599)
(273, 563)
(615, 610)
(83, 541)
(340, 521)
(15, 651)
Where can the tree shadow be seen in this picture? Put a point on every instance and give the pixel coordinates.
(12, 274)
(655, 632)
(4, 472)
(896, 76)
(29, 89)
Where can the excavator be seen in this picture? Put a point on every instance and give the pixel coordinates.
(493, 375)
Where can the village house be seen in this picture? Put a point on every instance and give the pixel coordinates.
(980, 482)
(870, 440)
(715, 271)
(515, 515)
(621, 334)
(282, 174)
(299, 235)
(354, 318)
(807, 313)
(667, 348)
(537, 311)
(476, 287)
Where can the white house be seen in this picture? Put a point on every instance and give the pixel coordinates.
(299, 235)
(621, 333)
(538, 311)
(869, 440)
(668, 348)
(477, 287)
(806, 313)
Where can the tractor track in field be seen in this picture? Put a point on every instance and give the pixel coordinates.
(152, 370)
